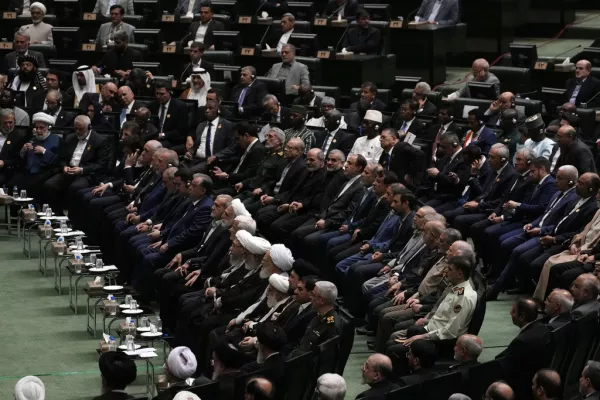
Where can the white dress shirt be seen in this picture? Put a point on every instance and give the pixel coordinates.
(435, 11)
(79, 149)
(235, 171)
(368, 148)
(329, 139)
(284, 39)
(201, 152)
(201, 32)
(2, 140)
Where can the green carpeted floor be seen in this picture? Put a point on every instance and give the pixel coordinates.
(42, 336)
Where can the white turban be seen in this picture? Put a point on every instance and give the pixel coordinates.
(39, 5)
(182, 362)
(185, 395)
(254, 244)
(239, 208)
(280, 283)
(45, 118)
(30, 388)
(282, 257)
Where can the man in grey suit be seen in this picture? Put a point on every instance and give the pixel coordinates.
(294, 73)
(438, 12)
(585, 290)
(21, 45)
(480, 71)
(107, 31)
(102, 6)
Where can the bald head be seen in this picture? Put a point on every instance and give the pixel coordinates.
(108, 91)
(585, 288)
(583, 69)
(468, 348)
(559, 301)
(259, 388)
(377, 368)
(126, 95)
(499, 391)
(480, 69)
(546, 384)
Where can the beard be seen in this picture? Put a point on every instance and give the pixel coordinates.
(26, 76)
(251, 264)
(264, 274)
(235, 258)
(271, 301)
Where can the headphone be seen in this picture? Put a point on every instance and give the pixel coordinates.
(454, 144)
(514, 121)
(187, 184)
(571, 183)
(169, 165)
(528, 162)
(376, 127)
(503, 159)
(253, 77)
(591, 190)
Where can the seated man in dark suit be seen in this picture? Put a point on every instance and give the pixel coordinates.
(443, 123)
(307, 97)
(405, 121)
(54, 109)
(406, 161)
(478, 135)
(585, 292)
(85, 157)
(368, 96)
(11, 141)
(280, 37)
(583, 87)
(557, 309)
(249, 94)
(342, 9)
(276, 114)
(426, 107)
(172, 116)
(202, 31)
(421, 355)
(447, 179)
(107, 98)
(196, 61)
(271, 340)
(248, 153)
(363, 38)
(333, 137)
(573, 151)
(438, 12)
(506, 101)
(147, 130)
(118, 371)
(377, 373)
(212, 138)
(118, 62)
(21, 46)
(53, 79)
(528, 352)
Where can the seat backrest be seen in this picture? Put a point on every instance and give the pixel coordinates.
(303, 11)
(512, 79)
(134, 20)
(330, 91)
(274, 86)
(461, 103)
(224, 57)
(241, 381)
(328, 355)
(412, 392)
(224, 89)
(562, 352)
(528, 107)
(384, 27)
(587, 123)
(482, 375)
(314, 68)
(345, 347)
(585, 332)
(206, 391)
(298, 371)
(47, 50)
(441, 387)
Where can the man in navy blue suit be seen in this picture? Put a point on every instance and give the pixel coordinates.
(182, 235)
(478, 135)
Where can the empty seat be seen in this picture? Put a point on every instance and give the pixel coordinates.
(314, 68)
(512, 79)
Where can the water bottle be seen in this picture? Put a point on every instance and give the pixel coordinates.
(61, 243)
(112, 344)
(112, 306)
(130, 343)
(47, 229)
(79, 243)
(78, 263)
(15, 192)
(48, 212)
(63, 227)
(158, 324)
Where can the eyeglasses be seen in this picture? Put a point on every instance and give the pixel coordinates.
(579, 68)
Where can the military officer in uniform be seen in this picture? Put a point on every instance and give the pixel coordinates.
(326, 324)
(250, 190)
(451, 319)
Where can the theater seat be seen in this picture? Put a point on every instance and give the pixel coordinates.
(224, 89)
(314, 68)
(481, 376)
(224, 57)
(47, 50)
(587, 123)
(134, 20)
(275, 87)
(529, 107)
(329, 91)
(461, 103)
(384, 27)
(513, 79)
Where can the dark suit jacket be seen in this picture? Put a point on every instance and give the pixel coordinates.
(497, 190)
(573, 223)
(302, 102)
(521, 189)
(95, 157)
(590, 87)
(209, 38)
(207, 254)
(562, 319)
(114, 396)
(285, 121)
(295, 174)
(578, 155)
(10, 152)
(375, 105)
(342, 141)
(355, 216)
(175, 127)
(588, 307)
(39, 98)
(310, 191)
(296, 326)
(252, 103)
(89, 98)
(535, 204)
(150, 196)
(266, 173)
(63, 120)
(350, 9)
(402, 235)
(247, 291)
(359, 40)
(369, 225)
(10, 60)
(526, 354)
(484, 141)
(378, 390)
(222, 136)
(334, 214)
(479, 182)
(190, 228)
(273, 369)
(113, 61)
(416, 127)
(416, 378)
(429, 110)
(249, 165)
(558, 211)
(446, 188)
(187, 69)
(447, 14)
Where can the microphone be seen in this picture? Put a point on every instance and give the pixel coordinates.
(413, 12)
(184, 71)
(338, 10)
(342, 38)
(564, 52)
(262, 40)
(585, 105)
(262, 4)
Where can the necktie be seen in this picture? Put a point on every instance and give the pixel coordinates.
(404, 127)
(436, 142)
(242, 96)
(207, 152)
(386, 160)
(123, 116)
(163, 115)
